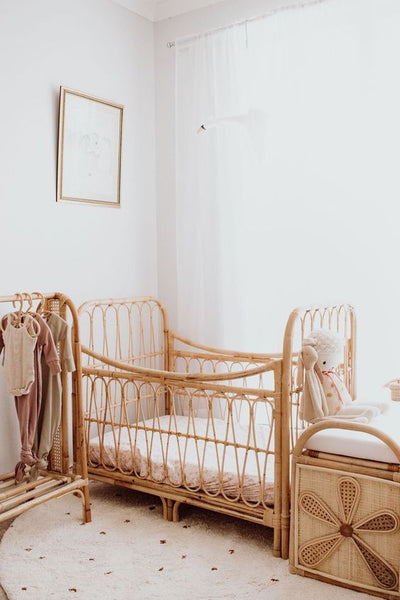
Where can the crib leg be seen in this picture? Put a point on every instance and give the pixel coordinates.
(87, 511)
(175, 512)
(170, 509)
(164, 508)
(277, 542)
(285, 537)
(277, 525)
(168, 506)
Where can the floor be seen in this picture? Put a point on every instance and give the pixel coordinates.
(3, 527)
(205, 555)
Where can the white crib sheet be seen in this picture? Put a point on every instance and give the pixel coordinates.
(213, 457)
(361, 445)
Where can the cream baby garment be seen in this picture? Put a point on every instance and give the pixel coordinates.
(18, 358)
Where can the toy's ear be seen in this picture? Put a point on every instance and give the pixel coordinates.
(309, 356)
(310, 341)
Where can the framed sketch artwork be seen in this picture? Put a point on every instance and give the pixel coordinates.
(89, 149)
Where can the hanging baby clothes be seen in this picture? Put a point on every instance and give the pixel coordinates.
(28, 405)
(19, 341)
(50, 415)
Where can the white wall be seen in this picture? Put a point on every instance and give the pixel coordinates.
(362, 265)
(86, 251)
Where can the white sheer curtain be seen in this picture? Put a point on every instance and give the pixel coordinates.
(211, 91)
(278, 199)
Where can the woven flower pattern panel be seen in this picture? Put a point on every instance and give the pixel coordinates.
(348, 527)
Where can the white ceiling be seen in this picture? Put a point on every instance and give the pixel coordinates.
(157, 10)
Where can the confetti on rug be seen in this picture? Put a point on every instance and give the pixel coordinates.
(130, 552)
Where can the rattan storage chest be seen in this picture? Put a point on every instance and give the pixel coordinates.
(345, 521)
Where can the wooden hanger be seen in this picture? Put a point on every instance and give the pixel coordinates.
(40, 309)
(18, 314)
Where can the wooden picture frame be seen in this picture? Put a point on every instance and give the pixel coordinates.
(89, 149)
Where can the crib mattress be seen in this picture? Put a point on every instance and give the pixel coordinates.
(196, 464)
(361, 445)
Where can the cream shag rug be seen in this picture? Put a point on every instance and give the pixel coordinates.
(129, 552)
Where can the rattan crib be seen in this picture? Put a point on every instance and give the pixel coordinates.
(193, 424)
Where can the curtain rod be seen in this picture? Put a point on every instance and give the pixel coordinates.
(270, 13)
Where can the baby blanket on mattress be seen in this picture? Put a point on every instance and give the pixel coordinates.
(358, 444)
(194, 463)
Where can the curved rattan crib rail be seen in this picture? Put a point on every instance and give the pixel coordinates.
(193, 384)
(227, 353)
(174, 375)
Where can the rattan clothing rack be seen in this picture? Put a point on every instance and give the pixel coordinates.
(62, 477)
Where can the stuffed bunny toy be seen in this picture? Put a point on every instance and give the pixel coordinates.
(325, 395)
